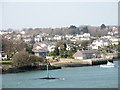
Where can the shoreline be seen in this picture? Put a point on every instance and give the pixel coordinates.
(28, 69)
(57, 65)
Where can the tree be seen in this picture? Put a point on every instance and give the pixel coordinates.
(56, 51)
(118, 50)
(12, 46)
(85, 30)
(51, 54)
(102, 26)
(69, 53)
(23, 59)
(8, 47)
(29, 49)
(84, 44)
(35, 60)
(72, 27)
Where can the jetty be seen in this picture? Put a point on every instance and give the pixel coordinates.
(80, 63)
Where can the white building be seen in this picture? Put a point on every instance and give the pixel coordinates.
(87, 54)
(22, 32)
(2, 55)
(100, 43)
(38, 38)
(57, 37)
(27, 39)
(86, 35)
(84, 38)
(114, 41)
(68, 37)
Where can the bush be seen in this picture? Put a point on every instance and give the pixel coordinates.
(23, 59)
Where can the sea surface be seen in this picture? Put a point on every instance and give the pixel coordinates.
(75, 77)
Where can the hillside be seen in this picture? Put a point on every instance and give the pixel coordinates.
(94, 31)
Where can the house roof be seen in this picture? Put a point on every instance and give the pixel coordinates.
(40, 50)
(90, 51)
(80, 53)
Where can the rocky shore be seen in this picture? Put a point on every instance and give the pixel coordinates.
(27, 69)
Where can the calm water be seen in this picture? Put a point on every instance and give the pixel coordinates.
(79, 77)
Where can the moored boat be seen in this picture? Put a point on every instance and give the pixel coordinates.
(108, 65)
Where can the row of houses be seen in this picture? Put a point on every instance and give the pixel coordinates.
(78, 37)
(83, 54)
(42, 49)
(104, 41)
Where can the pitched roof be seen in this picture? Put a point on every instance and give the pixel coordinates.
(90, 51)
(40, 50)
(80, 53)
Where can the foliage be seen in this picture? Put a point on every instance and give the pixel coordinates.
(60, 50)
(29, 49)
(102, 26)
(56, 51)
(69, 53)
(85, 30)
(84, 44)
(7, 47)
(72, 27)
(12, 46)
(74, 31)
(23, 58)
(51, 54)
(109, 49)
(35, 60)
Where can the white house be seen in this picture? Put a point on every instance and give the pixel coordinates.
(38, 38)
(8, 37)
(57, 37)
(114, 41)
(27, 39)
(22, 32)
(68, 37)
(110, 33)
(49, 46)
(40, 49)
(87, 54)
(2, 55)
(100, 43)
(86, 35)
(84, 38)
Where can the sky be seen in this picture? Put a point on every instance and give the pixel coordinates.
(19, 15)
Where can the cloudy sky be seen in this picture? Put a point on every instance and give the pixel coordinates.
(19, 15)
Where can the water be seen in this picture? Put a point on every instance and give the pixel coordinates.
(78, 77)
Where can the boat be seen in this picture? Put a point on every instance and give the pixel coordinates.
(108, 65)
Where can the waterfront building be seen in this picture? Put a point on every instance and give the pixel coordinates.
(87, 54)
